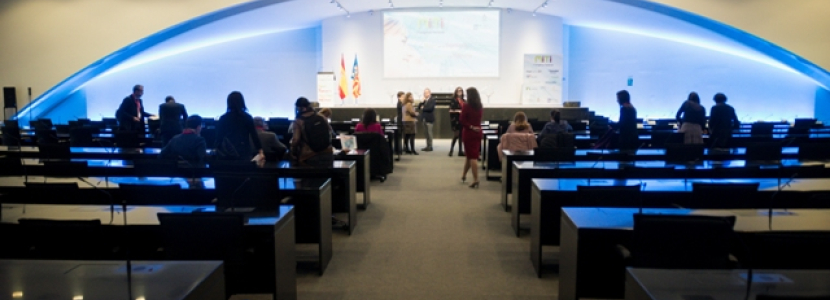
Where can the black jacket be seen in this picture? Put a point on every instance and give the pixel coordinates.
(235, 132)
(428, 110)
(189, 146)
(723, 119)
(127, 111)
(169, 114)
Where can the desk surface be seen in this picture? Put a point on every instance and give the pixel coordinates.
(136, 215)
(727, 284)
(680, 185)
(748, 220)
(650, 152)
(57, 279)
(702, 165)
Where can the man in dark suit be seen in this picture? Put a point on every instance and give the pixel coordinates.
(188, 145)
(428, 115)
(271, 146)
(172, 115)
(131, 113)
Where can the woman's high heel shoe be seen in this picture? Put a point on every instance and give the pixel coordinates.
(474, 185)
(463, 179)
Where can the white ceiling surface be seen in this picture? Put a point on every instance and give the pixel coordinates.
(295, 14)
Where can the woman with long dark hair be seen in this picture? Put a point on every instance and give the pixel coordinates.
(470, 120)
(410, 118)
(369, 123)
(627, 125)
(456, 104)
(235, 131)
(693, 120)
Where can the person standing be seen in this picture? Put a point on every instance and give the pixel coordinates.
(235, 131)
(400, 136)
(721, 122)
(131, 113)
(171, 115)
(428, 116)
(627, 125)
(693, 120)
(470, 119)
(410, 121)
(311, 142)
(188, 145)
(456, 104)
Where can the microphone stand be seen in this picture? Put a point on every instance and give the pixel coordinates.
(112, 201)
(772, 199)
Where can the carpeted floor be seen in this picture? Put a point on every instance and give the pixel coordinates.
(427, 236)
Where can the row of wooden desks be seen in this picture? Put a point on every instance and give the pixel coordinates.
(271, 232)
(120, 158)
(518, 184)
(588, 265)
(551, 195)
(311, 198)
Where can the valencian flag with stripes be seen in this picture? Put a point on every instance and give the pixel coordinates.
(355, 79)
(344, 87)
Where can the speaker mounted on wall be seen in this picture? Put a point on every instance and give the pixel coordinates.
(10, 97)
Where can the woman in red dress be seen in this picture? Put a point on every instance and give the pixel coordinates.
(470, 120)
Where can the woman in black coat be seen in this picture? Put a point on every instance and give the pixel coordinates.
(235, 131)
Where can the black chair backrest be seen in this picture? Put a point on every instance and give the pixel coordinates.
(63, 239)
(127, 139)
(62, 129)
(232, 166)
(814, 151)
(156, 167)
(761, 129)
(240, 189)
(725, 195)
(81, 136)
(578, 125)
(764, 151)
(684, 153)
(790, 250)
(559, 154)
(44, 124)
(203, 236)
(210, 136)
(149, 193)
(11, 133)
(54, 151)
(66, 168)
(681, 241)
(380, 156)
(609, 196)
(804, 123)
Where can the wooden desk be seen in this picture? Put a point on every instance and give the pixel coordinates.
(653, 284)
(273, 231)
(551, 195)
(76, 279)
(343, 174)
(588, 261)
(525, 171)
(311, 198)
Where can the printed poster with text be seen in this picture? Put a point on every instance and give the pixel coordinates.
(325, 89)
(542, 85)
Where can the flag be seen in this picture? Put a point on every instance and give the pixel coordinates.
(344, 87)
(355, 79)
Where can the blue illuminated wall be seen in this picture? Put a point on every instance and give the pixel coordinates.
(270, 70)
(664, 72)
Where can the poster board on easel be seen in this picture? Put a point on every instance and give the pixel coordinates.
(325, 89)
(542, 82)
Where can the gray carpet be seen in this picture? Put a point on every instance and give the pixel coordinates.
(427, 236)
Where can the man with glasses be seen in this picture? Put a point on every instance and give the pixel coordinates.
(131, 113)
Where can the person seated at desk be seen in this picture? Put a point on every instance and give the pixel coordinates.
(629, 139)
(548, 137)
(271, 146)
(520, 124)
(188, 145)
(369, 122)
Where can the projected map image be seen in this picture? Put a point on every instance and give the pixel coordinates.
(441, 44)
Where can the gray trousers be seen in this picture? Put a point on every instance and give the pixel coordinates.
(428, 133)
